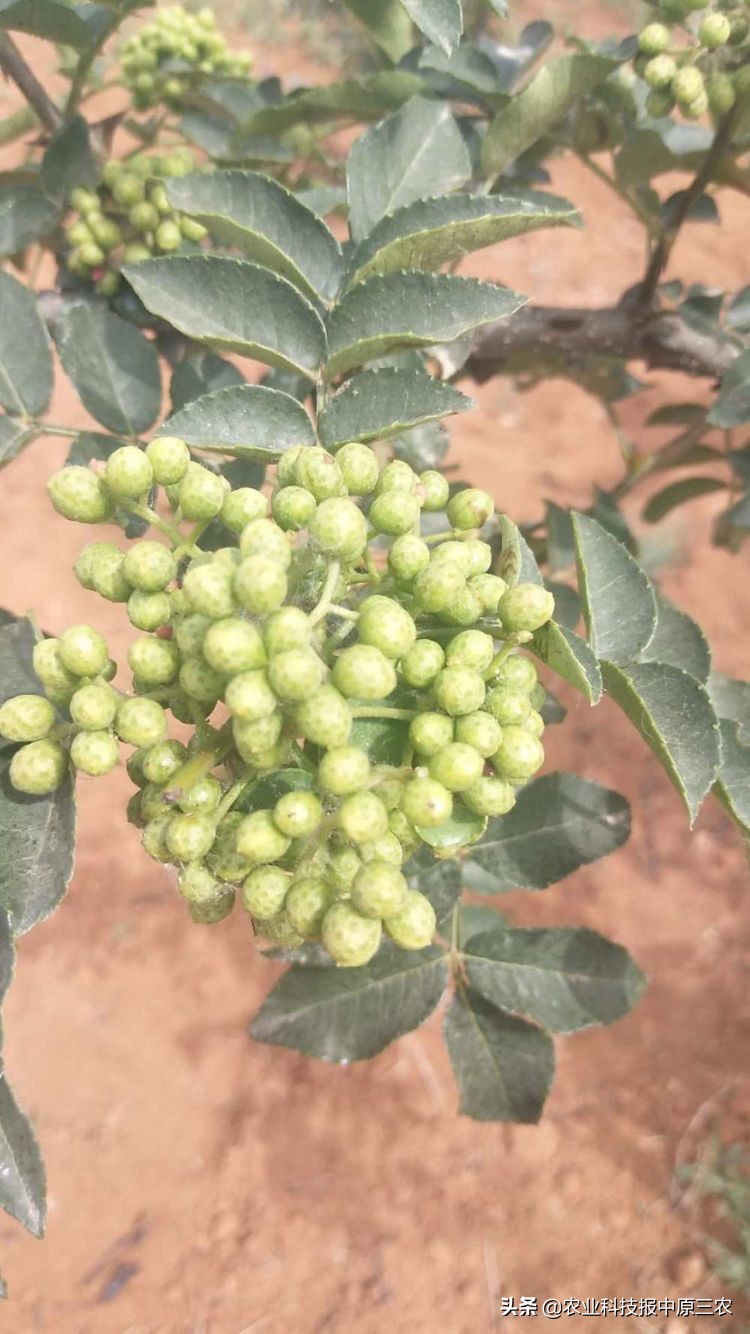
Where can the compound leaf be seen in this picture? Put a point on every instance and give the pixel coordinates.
(387, 24)
(565, 653)
(26, 215)
(25, 357)
(619, 606)
(377, 404)
(678, 640)
(439, 881)
(246, 420)
(113, 366)
(502, 1064)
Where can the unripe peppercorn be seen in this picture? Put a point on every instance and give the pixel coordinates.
(209, 591)
(470, 508)
(434, 491)
(249, 696)
(654, 39)
(518, 756)
(363, 672)
(257, 736)
(93, 707)
(319, 473)
(509, 706)
(293, 507)
(489, 797)
(660, 72)
(339, 528)
(202, 797)
(94, 753)
(306, 904)
(149, 611)
(295, 674)
(232, 645)
(714, 30)
(350, 938)
(526, 607)
(429, 733)
(156, 662)
(394, 512)
(413, 926)
(479, 730)
(426, 803)
(359, 468)
(471, 648)
(397, 476)
(379, 890)
(49, 667)
(518, 671)
(386, 625)
(149, 566)
(263, 537)
(159, 763)
(687, 84)
(264, 891)
(260, 584)
(298, 814)
(128, 472)
(408, 557)
(201, 494)
(325, 719)
(83, 651)
(169, 457)
(38, 768)
(167, 235)
(190, 837)
(436, 588)
(26, 718)
(107, 572)
(459, 690)
(464, 608)
(721, 93)
(421, 664)
(259, 838)
(242, 507)
(79, 494)
(343, 769)
(457, 766)
(141, 722)
(289, 627)
(154, 837)
(362, 817)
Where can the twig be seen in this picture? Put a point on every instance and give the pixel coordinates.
(15, 67)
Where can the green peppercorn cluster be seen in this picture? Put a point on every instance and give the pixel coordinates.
(693, 55)
(161, 61)
(325, 609)
(128, 218)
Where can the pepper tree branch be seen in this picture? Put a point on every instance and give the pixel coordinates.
(15, 67)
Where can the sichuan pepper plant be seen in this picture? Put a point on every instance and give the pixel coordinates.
(342, 664)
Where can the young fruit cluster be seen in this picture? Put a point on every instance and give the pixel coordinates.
(161, 61)
(706, 73)
(324, 615)
(128, 218)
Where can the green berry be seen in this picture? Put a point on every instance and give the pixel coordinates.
(470, 508)
(654, 39)
(385, 849)
(714, 30)
(94, 753)
(264, 891)
(209, 591)
(168, 236)
(339, 528)
(526, 607)
(421, 664)
(379, 890)
(83, 651)
(509, 706)
(279, 930)
(26, 718)
(386, 625)
(287, 628)
(319, 473)
(190, 633)
(107, 573)
(91, 255)
(325, 719)
(260, 584)
(394, 512)
(191, 230)
(478, 556)
(259, 838)
(489, 797)
(128, 472)
(721, 93)
(202, 797)
(144, 217)
(688, 85)
(149, 566)
(252, 739)
(204, 894)
(135, 253)
(128, 190)
(434, 490)
(437, 588)
(453, 554)
(430, 732)
(141, 722)
(359, 468)
(242, 507)
(659, 102)
(660, 72)
(286, 468)
(159, 763)
(343, 770)
(350, 938)
(149, 611)
(426, 803)
(293, 507)
(79, 494)
(232, 645)
(471, 648)
(457, 766)
(517, 671)
(534, 723)
(200, 683)
(190, 837)
(38, 768)
(342, 868)
(518, 756)
(362, 817)
(224, 861)
(249, 696)
(48, 666)
(106, 232)
(295, 674)
(464, 608)
(479, 730)
(306, 904)
(459, 690)
(413, 926)
(298, 814)
(93, 707)
(363, 672)
(408, 557)
(154, 661)
(201, 493)
(154, 837)
(263, 537)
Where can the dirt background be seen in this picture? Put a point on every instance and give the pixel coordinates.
(201, 1184)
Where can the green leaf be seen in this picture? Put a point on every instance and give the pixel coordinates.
(266, 222)
(570, 657)
(679, 641)
(414, 154)
(377, 404)
(731, 699)
(619, 606)
(90, 445)
(201, 373)
(245, 420)
(36, 834)
(365, 99)
(7, 953)
(517, 563)
(113, 366)
(441, 21)
(561, 547)
(476, 917)
(732, 786)
(14, 436)
(456, 832)
(564, 978)
(225, 303)
(677, 414)
(383, 740)
(541, 105)
(386, 23)
(69, 160)
(439, 881)
(423, 447)
(559, 823)
(264, 794)
(738, 311)
(23, 1187)
(26, 215)
(468, 74)
(410, 310)
(56, 22)
(677, 493)
(350, 1014)
(434, 232)
(25, 357)
(503, 1066)
(673, 713)
(732, 404)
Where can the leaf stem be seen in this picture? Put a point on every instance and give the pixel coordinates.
(150, 516)
(326, 597)
(405, 715)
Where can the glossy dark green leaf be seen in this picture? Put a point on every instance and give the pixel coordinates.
(410, 310)
(503, 1065)
(732, 786)
(678, 640)
(559, 823)
(225, 303)
(23, 1189)
(434, 232)
(542, 104)
(387, 24)
(201, 373)
(264, 794)
(350, 1014)
(619, 606)
(384, 740)
(564, 978)
(441, 21)
(56, 22)
(416, 153)
(14, 436)
(245, 420)
(69, 160)
(266, 222)
(378, 404)
(468, 74)
(678, 493)
(439, 881)
(365, 99)
(731, 699)
(731, 406)
(474, 918)
(113, 366)
(673, 713)
(565, 653)
(90, 445)
(26, 215)
(25, 357)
